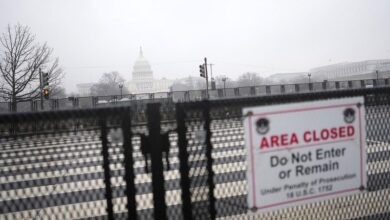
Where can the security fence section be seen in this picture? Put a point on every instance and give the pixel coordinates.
(170, 161)
(191, 95)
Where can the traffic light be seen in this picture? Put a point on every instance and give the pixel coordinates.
(45, 79)
(45, 93)
(201, 69)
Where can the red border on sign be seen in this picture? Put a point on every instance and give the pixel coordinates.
(311, 197)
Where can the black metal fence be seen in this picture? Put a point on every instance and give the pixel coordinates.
(164, 161)
(192, 95)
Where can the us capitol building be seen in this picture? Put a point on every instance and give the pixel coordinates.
(142, 78)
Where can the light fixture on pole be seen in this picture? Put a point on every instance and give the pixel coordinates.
(377, 75)
(224, 85)
(120, 87)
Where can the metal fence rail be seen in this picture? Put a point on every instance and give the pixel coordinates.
(174, 161)
(192, 95)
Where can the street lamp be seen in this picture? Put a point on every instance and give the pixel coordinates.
(224, 85)
(120, 87)
(377, 75)
(309, 75)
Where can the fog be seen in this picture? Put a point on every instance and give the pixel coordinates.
(96, 36)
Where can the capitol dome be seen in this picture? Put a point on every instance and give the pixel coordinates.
(142, 71)
(142, 81)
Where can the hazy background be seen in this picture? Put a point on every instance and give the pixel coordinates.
(92, 37)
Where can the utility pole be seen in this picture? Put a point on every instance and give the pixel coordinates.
(211, 71)
(207, 78)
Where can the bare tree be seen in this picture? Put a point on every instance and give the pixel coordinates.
(58, 92)
(250, 79)
(20, 61)
(188, 83)
(109, 85)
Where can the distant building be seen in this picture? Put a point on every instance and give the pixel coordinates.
(286, 78)
(84, 89)
(142, 78)
(351, 70)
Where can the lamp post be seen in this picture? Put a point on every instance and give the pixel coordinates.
(377, 75)
(120, 87)
(224, 85)
(309, 75)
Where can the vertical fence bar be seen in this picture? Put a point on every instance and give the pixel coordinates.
(268, 90)
(153, 115)
(106, 166)
(183, 157)
(296, 87)
(210, 178)
(128, 164)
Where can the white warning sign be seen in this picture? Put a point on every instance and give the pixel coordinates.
(304, 152)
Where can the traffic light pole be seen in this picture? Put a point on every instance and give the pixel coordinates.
(41, 87)
(207, 78)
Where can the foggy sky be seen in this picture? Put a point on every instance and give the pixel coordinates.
(96, 36)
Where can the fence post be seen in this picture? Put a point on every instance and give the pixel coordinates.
(324, 85)
(94, 101)
(32, 105)
(350, 85)
(183, 157)
(153, 115)
(268, 90)
(128, 164)
(106, 166)
(253, 90)
(375, 82)
(236, 91)
(362, 84)
(296, 87)
(220, 93)
(210, 178)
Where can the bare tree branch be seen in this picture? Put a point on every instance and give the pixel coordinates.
(20, 61)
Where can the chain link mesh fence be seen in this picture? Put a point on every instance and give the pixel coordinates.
(81, 164)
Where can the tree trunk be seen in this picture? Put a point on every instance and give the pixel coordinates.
(14, 104)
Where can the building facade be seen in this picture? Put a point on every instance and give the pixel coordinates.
(351, 70)
(143, 80)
